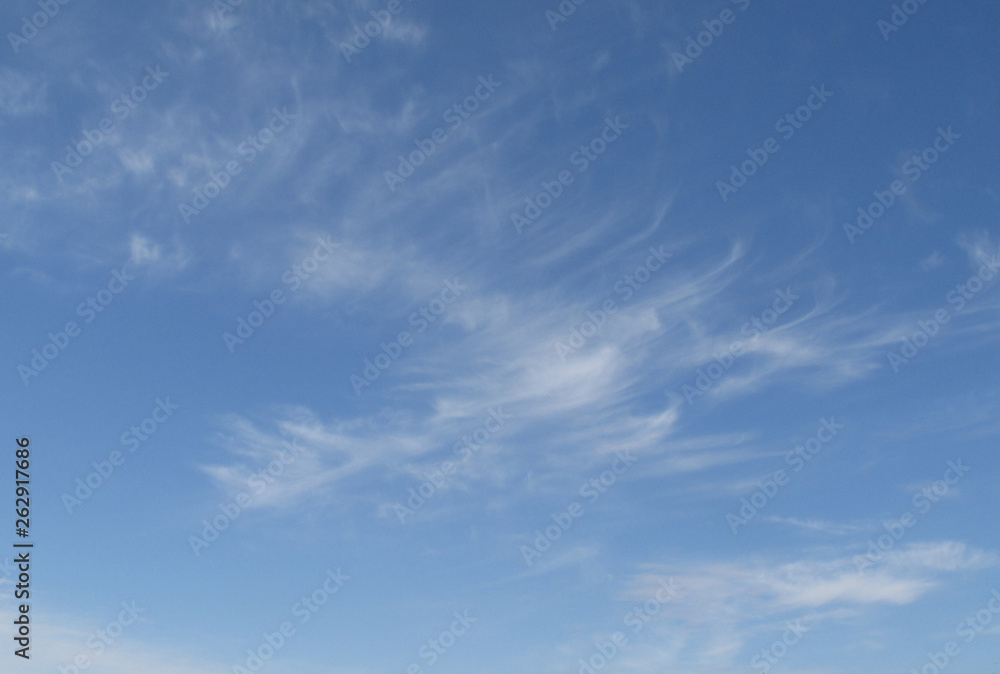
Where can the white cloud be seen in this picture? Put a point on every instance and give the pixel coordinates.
(720, 607)
(819, 526)
(979, 246)
(932, 261)
(143, 250)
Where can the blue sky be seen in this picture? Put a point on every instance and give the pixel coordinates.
(621, 337)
